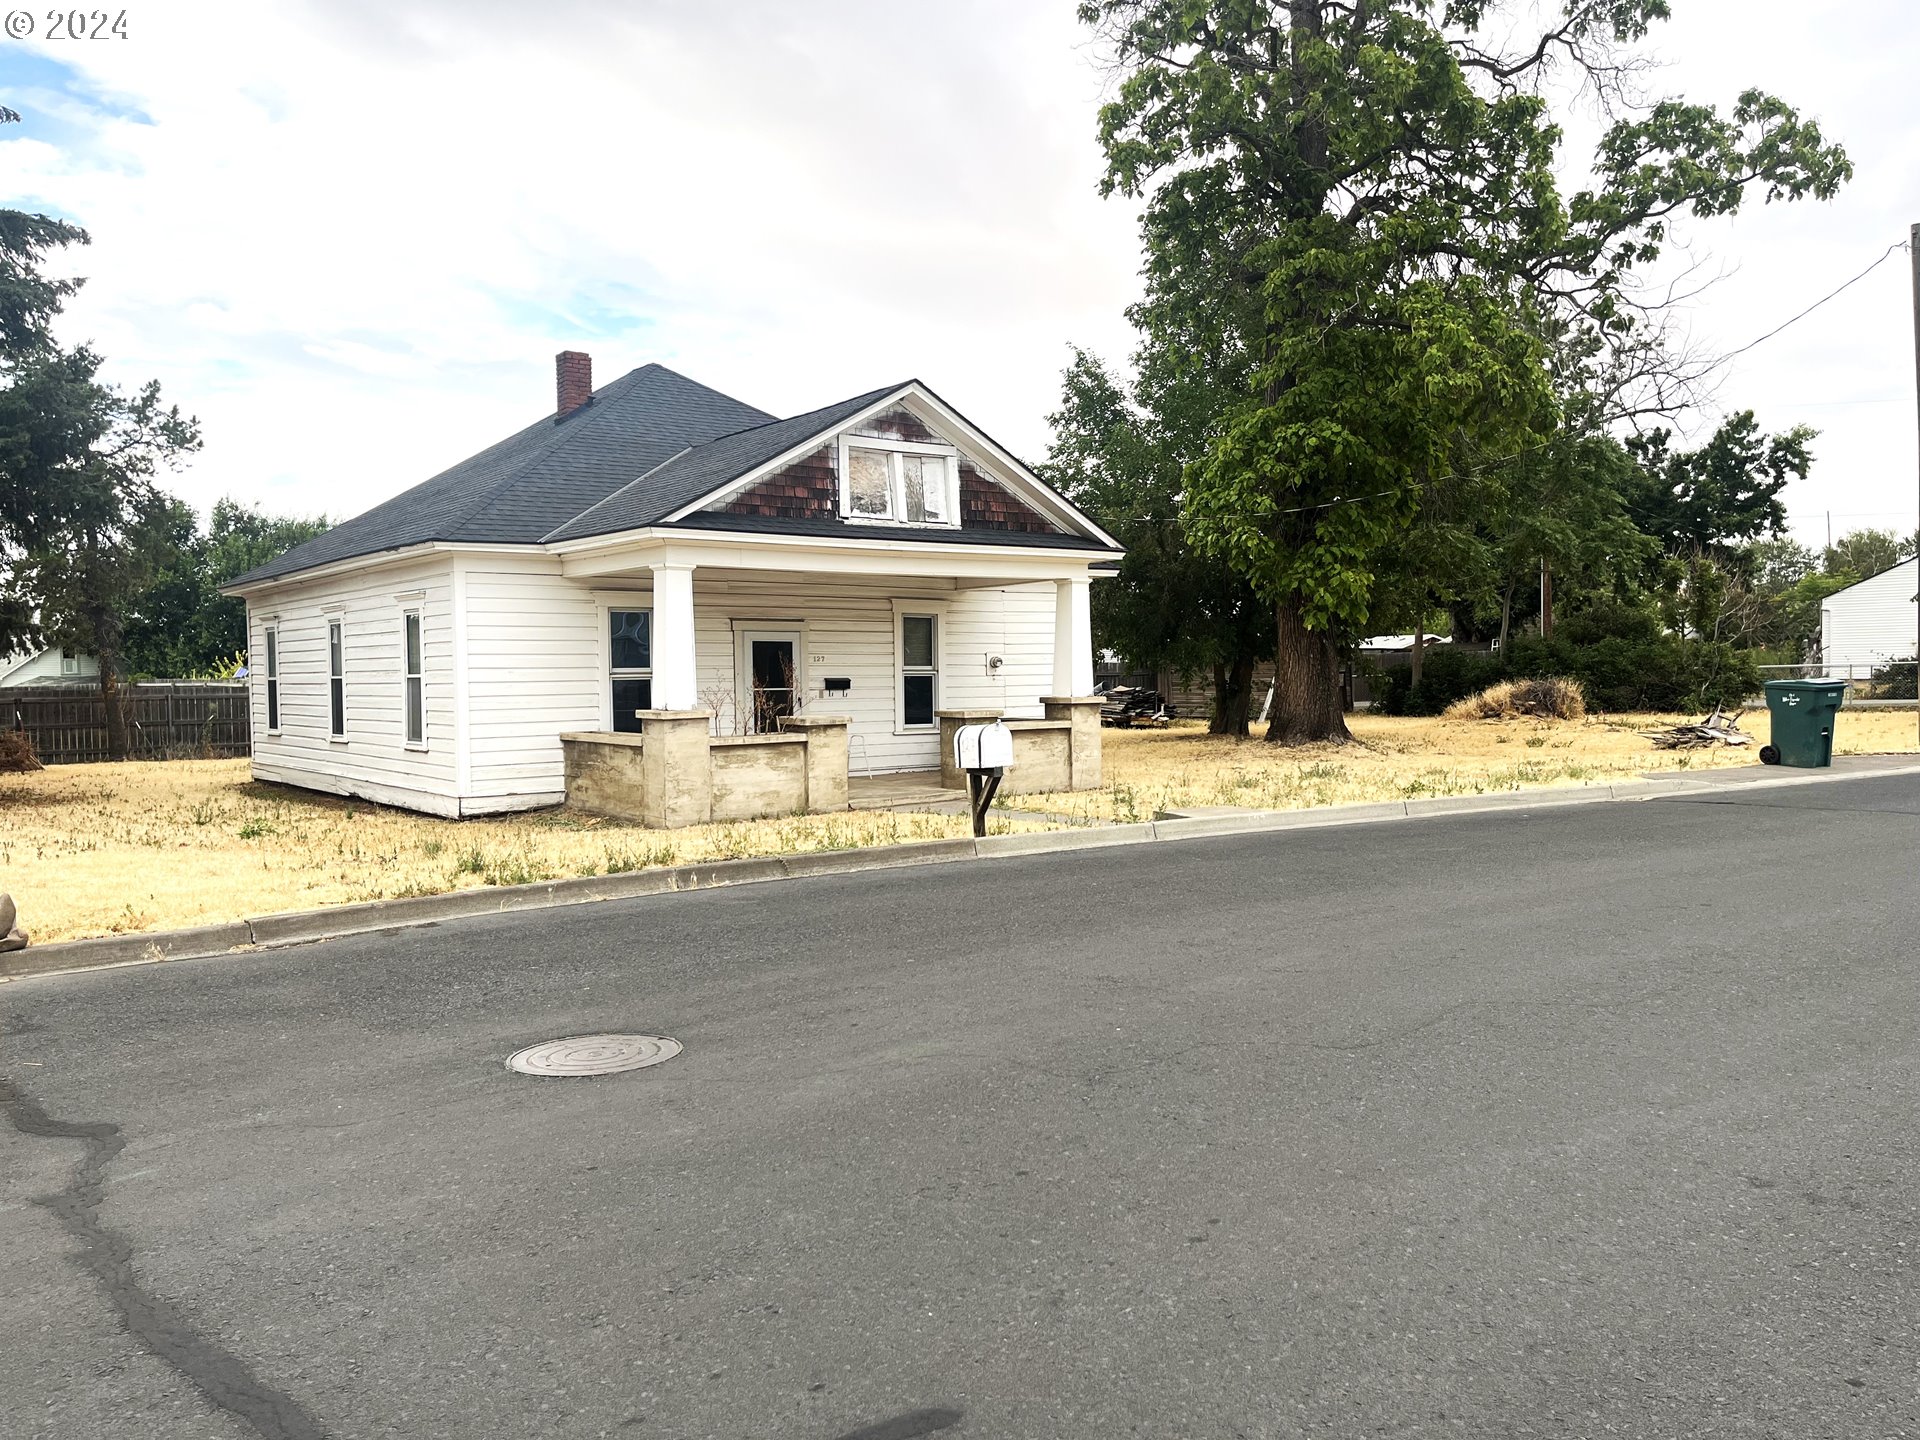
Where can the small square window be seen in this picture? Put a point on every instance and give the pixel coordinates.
(924, 485)
(630, 695)
(632, 636)
(869, 488)
(916, 700)
(916, 641)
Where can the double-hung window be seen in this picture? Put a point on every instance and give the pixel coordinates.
(630, 661)
(336, 681)
(415, 678)
(919, 670)
(899, 482)
(273, 678)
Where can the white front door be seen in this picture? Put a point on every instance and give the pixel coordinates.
(768, 683)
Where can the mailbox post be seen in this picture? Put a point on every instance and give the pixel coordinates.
(985, 752)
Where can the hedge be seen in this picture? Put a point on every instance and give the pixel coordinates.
(1639, 669)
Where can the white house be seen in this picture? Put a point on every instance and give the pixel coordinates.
(47, 667)
(657, 546)
(1870, 623)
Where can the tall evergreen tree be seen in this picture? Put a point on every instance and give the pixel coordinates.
(82, 525)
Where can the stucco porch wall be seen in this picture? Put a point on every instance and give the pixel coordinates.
(1042, 757)
(755, 776)
(676, 773)
(1061, 752)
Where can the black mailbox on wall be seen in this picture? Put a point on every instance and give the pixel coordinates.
(836, 685)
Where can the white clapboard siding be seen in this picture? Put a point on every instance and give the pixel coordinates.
(847, 632)
(535, 669)
(1872, 622)
(373, 759)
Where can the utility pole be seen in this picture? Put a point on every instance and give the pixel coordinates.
(1913, 255)
(1546, 595)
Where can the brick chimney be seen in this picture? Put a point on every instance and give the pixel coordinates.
(572, 382)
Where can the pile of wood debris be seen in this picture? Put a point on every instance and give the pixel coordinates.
(1717, 729)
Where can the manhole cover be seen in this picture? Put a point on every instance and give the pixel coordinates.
(593, 1055)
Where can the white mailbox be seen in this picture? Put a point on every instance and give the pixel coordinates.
(983, 747)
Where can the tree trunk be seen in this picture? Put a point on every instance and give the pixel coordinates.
(1306, 674)
(1546, 599)
(1232, 696)
(106, 638)
(109, 657)
(1506, 616)
(1460, 616)
(1419, 652)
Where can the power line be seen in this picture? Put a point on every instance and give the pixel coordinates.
(1885, 255)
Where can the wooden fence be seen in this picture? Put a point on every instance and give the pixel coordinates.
(166, 720)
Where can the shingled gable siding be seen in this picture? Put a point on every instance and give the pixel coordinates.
(805, 490)
(898, 424)
(987, 506)
(809, 489)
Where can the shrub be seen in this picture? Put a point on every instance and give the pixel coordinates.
(1619, 673)
(1446, 675)
(1548, 698)
(1618, 656)
(16, 751)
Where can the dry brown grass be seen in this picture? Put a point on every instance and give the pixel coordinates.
(1148, 771)
(115, 849)
(150, 845)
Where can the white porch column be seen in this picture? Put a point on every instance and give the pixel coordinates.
(676, 685)
(1072, 637)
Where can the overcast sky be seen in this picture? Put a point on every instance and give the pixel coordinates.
(350, 236)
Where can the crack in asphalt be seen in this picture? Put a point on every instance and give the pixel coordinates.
(217, 1372)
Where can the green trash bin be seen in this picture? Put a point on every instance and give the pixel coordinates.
(1803, 712)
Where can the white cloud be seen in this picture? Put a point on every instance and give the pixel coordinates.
(350, 236)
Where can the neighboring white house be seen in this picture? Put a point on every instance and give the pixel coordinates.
(1870, 623)
(47, 667)
(656, 545)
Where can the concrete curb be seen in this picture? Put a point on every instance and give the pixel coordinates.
(301, 927)
(191, 944)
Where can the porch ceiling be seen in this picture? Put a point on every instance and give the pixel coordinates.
(635, 556)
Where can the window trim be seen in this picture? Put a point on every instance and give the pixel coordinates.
(894, 450)
(270, 673)
(609, 673)
(935, 611)
(411, 616)
(337, 677)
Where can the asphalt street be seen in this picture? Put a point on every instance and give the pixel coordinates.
(1587, 1122)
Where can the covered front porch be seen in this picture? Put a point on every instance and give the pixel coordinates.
(806, 677)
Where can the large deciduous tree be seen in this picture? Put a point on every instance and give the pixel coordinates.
(180, 624)
(1120, 453)
(1359, 197)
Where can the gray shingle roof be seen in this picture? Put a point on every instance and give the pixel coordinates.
(518, 490)
(705, 468)
(651, 443)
